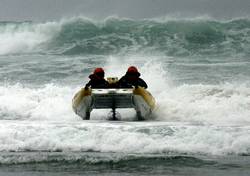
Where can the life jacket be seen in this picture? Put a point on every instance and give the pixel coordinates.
(97, 81)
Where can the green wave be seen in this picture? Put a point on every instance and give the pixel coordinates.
(173, 37)
(176, 38)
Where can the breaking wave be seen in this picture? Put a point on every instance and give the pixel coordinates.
(166, 138)
(79, 35)
(95, 158)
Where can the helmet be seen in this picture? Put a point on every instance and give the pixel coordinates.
(132, 69)
(99, 72)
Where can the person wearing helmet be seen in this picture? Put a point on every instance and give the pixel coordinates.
(132, 78)
(97, 79)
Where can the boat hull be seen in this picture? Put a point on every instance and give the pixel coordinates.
(138, 98)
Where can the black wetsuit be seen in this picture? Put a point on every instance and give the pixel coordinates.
(130, 81)
(97, 82)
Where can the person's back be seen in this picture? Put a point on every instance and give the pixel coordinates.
(97, 79)
(132, 78)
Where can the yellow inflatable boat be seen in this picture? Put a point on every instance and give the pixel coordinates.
(138, 98)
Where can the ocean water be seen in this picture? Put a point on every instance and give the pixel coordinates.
(197, 69)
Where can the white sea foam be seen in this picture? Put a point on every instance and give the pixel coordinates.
(226, 103)
(191, 119)
(203, 119)
(48, 103)
(26, 37)
(223, 103)
(129, 137)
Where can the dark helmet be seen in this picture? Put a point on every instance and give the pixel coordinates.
(99, 72)
(132, 70)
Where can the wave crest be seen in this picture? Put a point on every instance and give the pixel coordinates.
(79, 35)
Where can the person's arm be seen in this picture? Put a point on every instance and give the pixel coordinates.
(142, 83)
(106, 84)
(88, 84)
(121, 82)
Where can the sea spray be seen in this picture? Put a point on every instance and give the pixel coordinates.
(224, 104)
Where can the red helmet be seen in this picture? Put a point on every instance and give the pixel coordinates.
(99, 72)
(132, 69)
